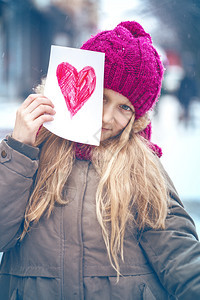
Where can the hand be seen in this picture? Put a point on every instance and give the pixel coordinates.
(33, 112)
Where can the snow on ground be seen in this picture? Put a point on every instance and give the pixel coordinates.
(180, 145)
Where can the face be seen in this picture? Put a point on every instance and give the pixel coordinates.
(117, 112)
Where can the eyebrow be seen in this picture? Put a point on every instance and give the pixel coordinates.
(128, 104)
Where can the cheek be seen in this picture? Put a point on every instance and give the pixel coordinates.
(123, 121)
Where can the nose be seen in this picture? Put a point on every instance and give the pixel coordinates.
(108, 113)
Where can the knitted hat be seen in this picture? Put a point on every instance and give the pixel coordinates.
(132, 65)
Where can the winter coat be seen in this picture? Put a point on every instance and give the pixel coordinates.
(64, 257)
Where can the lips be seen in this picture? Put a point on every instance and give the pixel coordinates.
(105, 129)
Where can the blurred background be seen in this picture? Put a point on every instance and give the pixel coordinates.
(29, 27)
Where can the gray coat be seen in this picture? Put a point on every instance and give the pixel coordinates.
(64, 257)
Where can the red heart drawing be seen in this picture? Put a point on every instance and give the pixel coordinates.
(76, 87)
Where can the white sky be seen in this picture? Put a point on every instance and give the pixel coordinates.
(113, 12)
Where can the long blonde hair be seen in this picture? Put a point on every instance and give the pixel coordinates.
(131, 180)
(132, 187)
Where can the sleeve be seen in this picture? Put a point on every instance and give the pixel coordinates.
(16, 178)
(27, 150)
(174, 253)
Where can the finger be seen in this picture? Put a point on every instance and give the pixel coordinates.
(40, 100)
(30, 99)
(41, 110)
(41, 120)
(33, 97)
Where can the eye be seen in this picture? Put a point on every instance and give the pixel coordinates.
(125, 107)
(104, 99)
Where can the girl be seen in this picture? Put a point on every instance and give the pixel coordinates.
(82, 222)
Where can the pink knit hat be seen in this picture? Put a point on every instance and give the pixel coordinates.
(132, 67)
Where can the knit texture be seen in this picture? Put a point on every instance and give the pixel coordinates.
(83, 151)
(146, 133)
(132, 65)
(132, 68)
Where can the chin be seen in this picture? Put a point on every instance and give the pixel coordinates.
(104, 137)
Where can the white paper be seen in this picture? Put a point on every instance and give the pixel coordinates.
(85, 125)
